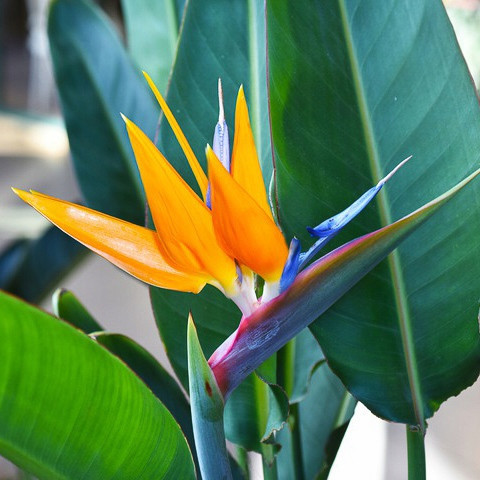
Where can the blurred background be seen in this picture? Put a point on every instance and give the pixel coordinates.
(34, 153)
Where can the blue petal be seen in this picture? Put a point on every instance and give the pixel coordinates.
(292, 264)
(330, 227)
(338, 221)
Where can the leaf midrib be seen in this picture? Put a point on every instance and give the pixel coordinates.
(398, 282)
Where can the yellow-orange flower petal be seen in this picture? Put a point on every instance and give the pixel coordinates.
(183, 222)
(243, 229)
(245, 167)
(182, 140)
(130, 247)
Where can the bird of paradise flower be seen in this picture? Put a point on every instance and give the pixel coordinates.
(223, 238)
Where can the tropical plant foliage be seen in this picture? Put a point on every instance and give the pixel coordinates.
(339, 93)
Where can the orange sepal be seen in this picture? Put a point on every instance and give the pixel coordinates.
(182, 140)
(130, 247)
(245, 166)
(243, 229)
(183, 222)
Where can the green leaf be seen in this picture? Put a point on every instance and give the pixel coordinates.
(97, 81)
(30, 269)
(207, 412)
(308, 356)
(67, 307)
(253, 412)
(10, 259)
(321, 434)
(356, 86)
(221, 32)
(193, 99)
(316, 428)
(69, 409)
(152, 32)
(218, 317)
(163, 386)
(258, 101)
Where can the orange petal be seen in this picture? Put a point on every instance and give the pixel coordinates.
(187, 149)
(183, 222)
(245, 167)
(130, 247)
(243, 229)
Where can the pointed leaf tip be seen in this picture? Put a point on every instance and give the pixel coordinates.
(207, 405)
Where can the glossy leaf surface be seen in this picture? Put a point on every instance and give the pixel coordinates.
(152, 32)
(193, 100)
(97, 81)
(364, 86)
(160, 382)
(68, 408)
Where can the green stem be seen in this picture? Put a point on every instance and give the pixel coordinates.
(296, 443)
(286, 367)
(416, 453)
(269, 463)
(242, 460)
(268, 456)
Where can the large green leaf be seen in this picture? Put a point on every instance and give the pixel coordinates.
(231, 39)
(153, 374)
(218, 31)
(356, 86)
(152, 32)
(97, 81)
(69, 409)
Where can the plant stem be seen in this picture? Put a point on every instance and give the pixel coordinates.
(286, 367)
(269, 463)
(296, 443)
(416, 453)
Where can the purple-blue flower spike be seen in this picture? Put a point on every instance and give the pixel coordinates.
(292, 265)
(221, 140)
(330, 227)
(326, 230)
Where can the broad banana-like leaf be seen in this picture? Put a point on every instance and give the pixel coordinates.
(231, 39)
(152, 32)
(70, 409)
(356, 86)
